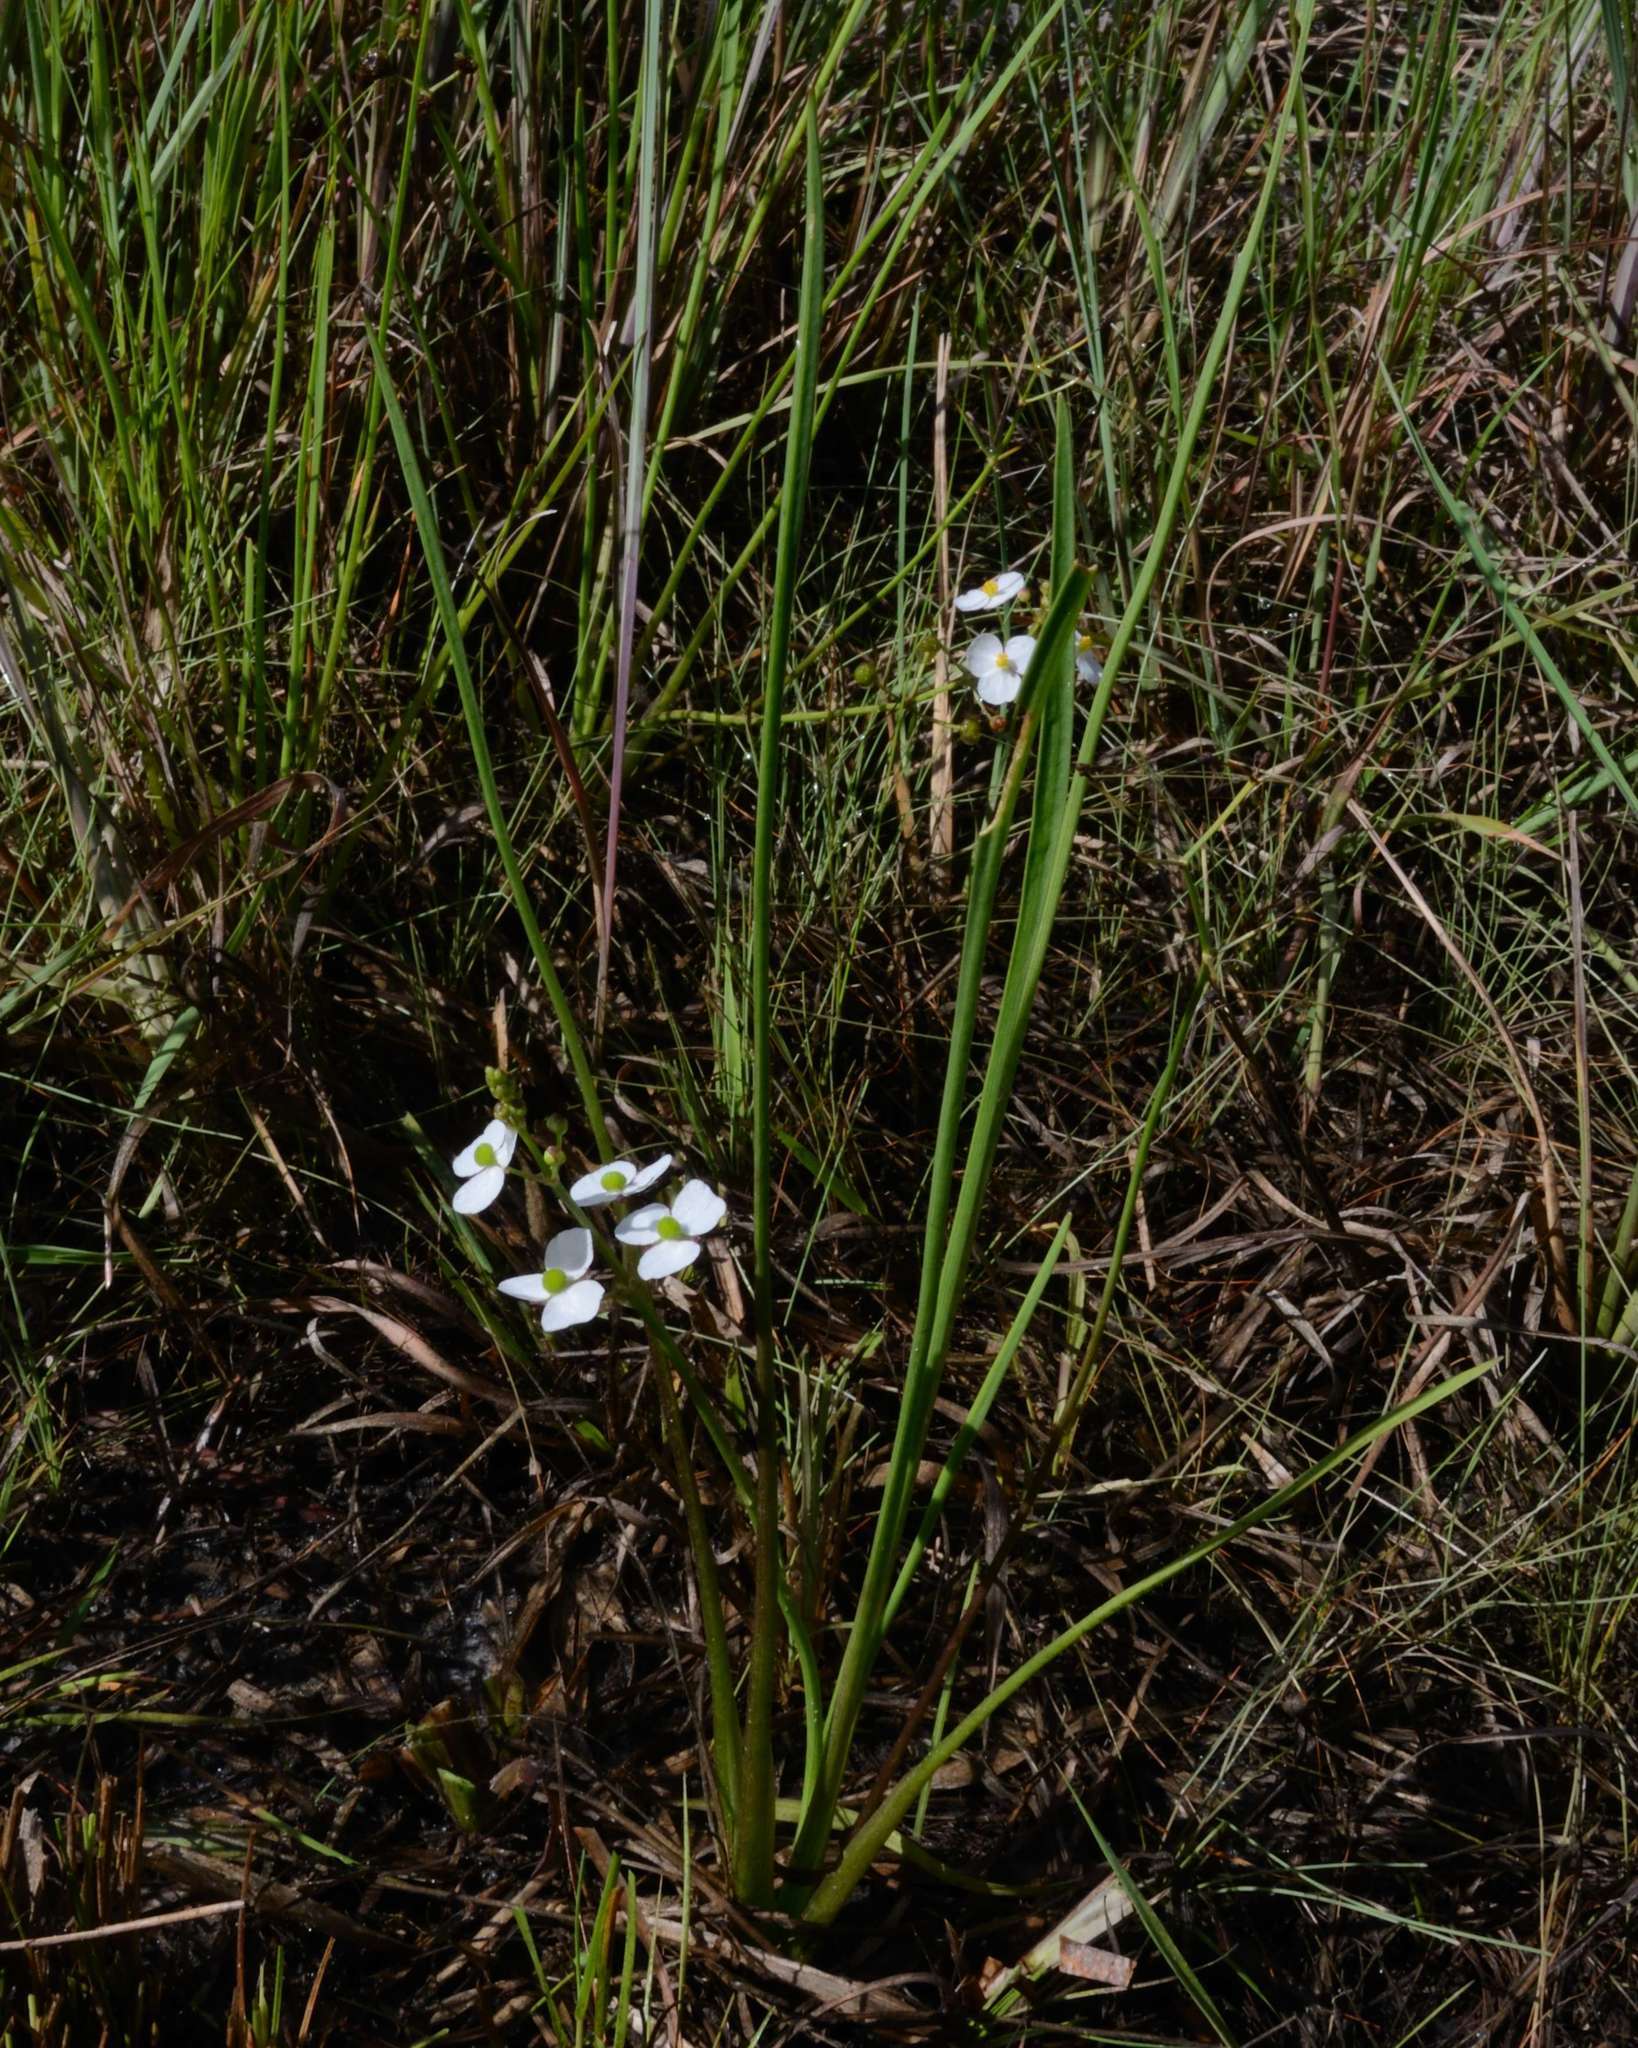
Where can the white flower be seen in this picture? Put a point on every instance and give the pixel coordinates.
(612, 1183)
(672, 1231)
(999, 669)
(568, 1297)
(481, 1168)
(1088, 666)
(992, 593)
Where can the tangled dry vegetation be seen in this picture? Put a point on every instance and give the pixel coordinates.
(349, 1638)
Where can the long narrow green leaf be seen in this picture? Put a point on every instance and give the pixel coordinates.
(972, 1427)
(945, 1259)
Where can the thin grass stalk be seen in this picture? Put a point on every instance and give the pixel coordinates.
(1467, 525)
(432, 548)
(977, 1415)
(256, 653)
(1064, 1431)
(360, 517)
(636, 443)
(1159, 1934)
(185, 453)
(754, 1845)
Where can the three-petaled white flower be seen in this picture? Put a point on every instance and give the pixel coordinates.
(992, 593)
(616, 1181)
(567, 1297)
(1088, 665)
(481, 1167)
(672, 1231)
(998, 667)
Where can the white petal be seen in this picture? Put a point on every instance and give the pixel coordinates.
(649, 1175)
(499, 1139)
(1000, 686)
(526, 1287)
(588, 1192)
(570, 1252)
(1007, 586)
(1019, 649)
(979, 659)
(699, 1209)
(576, 1304)
(638, 1227)
(670, 1255)
(1089, 668)
(478, 1192)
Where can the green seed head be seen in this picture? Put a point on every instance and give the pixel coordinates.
(670, 1229)
(613, 1181)
(485, 1155)
(554, 1279)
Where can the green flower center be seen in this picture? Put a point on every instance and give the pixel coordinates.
(554, 1279)
(485, 1154)
(670, 1229)
(613, 1181)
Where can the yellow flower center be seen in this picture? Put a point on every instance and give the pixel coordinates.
(1085, 643)
(1004, 660)
(990, 586)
